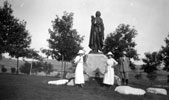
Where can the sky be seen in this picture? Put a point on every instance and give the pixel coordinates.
(149, 17)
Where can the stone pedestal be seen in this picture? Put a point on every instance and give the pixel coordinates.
(94, 64)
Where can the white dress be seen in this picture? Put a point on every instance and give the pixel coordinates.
(79, 76)
(109, 75)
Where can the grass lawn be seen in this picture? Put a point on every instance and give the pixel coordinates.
(23, 87)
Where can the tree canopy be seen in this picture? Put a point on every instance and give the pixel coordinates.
(33, 54)
(122, 40)
(154, 59)
(20, 41)
(165, 53)
(151, 61)
(7, 24)
(64, 42)
(14, 38)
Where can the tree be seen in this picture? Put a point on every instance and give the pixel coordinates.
(121, 40)
(21, 42)
(151, 61)
(64, 42)
(14, 37)
(165, 53)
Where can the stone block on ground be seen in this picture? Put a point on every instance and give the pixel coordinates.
(71, 82)
(129, 90)
(117, 80)
(157, 91)
(58, 82)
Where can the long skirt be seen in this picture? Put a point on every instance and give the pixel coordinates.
(109, 76)
(79, 76)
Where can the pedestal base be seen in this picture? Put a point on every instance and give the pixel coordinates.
(94, 64)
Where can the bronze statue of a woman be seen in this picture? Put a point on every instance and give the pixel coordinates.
(96, 33)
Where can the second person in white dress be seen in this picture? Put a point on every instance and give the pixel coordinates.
(109, 70)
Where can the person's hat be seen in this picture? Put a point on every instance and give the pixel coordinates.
(81, 52)
(109, 53)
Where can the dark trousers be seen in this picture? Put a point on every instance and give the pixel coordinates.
(125, 77)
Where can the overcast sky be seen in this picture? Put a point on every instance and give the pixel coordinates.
(149, 17)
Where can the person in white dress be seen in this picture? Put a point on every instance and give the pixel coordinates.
(79, 75)
(109, 70)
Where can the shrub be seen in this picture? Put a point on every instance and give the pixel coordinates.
(152, 77)
(25, 68)
(47, 67)
(132, 66)
(138, 76)
(3, 69)
(58, 75)
(13, 70)
(36, 67)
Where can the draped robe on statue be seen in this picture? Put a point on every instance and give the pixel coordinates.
(96, 34)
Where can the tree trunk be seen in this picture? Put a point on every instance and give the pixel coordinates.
(30, 73)
(62, 68)
(17, 69)
(0, 56)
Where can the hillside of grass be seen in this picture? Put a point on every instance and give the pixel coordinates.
(9, 63)
(57, 66)
(23, 87)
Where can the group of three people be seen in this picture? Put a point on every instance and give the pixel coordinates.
(109, 69)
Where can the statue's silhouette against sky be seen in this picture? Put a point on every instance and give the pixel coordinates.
(96, 33)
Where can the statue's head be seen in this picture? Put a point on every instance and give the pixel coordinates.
(98, 14)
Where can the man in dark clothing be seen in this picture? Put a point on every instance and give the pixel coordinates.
(124, 68)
